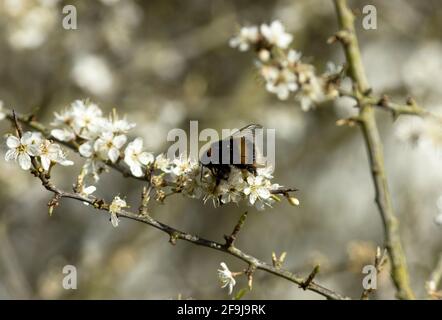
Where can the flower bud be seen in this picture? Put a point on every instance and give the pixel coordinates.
(293, 201)
(264, 55)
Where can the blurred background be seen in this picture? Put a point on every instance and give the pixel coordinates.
(166, 63)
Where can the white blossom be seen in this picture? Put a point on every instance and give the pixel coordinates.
(108, 146)
(163, 163)
(246, 37)
(226, 278)
(52, 153)
(87, 118)
(281, 83)
(116, 125)
(258, 191)
(182, 165)
(21, 150)
(136, 158)
(66, 117)
(114, 208)
(275, 34)
(231, 190)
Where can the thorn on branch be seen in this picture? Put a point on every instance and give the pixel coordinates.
(231, 239)
(54, 202)
(304, 285)
(249, 273)
(145, 198)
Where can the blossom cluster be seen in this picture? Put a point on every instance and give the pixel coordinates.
(104, 141)
(33, 145)
(188, 177)
(101, 139)
(281, 67)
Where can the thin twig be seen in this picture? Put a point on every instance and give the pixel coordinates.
(367, 122)
(379, 262)
(304, 285)
(231, 239)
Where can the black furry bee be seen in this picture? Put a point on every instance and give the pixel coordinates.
(238, 150)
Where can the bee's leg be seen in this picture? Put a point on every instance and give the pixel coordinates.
(219, 201)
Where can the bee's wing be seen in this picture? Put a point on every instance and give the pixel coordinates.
(246, 136)
(247, 131)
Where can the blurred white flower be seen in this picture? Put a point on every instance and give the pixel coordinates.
(264, 55)
(333, 69)
(92, 73)
(108, 146)
(311, 91)
(421, 73)
(438, 219)
(226, 278)
(136, 158)
(246, 37)
(114, 208)
(32, 27)
(21, 150)
(275, 34)
(293, 57)
(281, 83)
(2, 114)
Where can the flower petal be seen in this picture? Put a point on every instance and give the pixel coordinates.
(113, 154)
(136, 170)
(146, 158)
(11, 155)
(86, 149)
(12, 142)
(119, 141)
(45, 162)
(24, 160)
